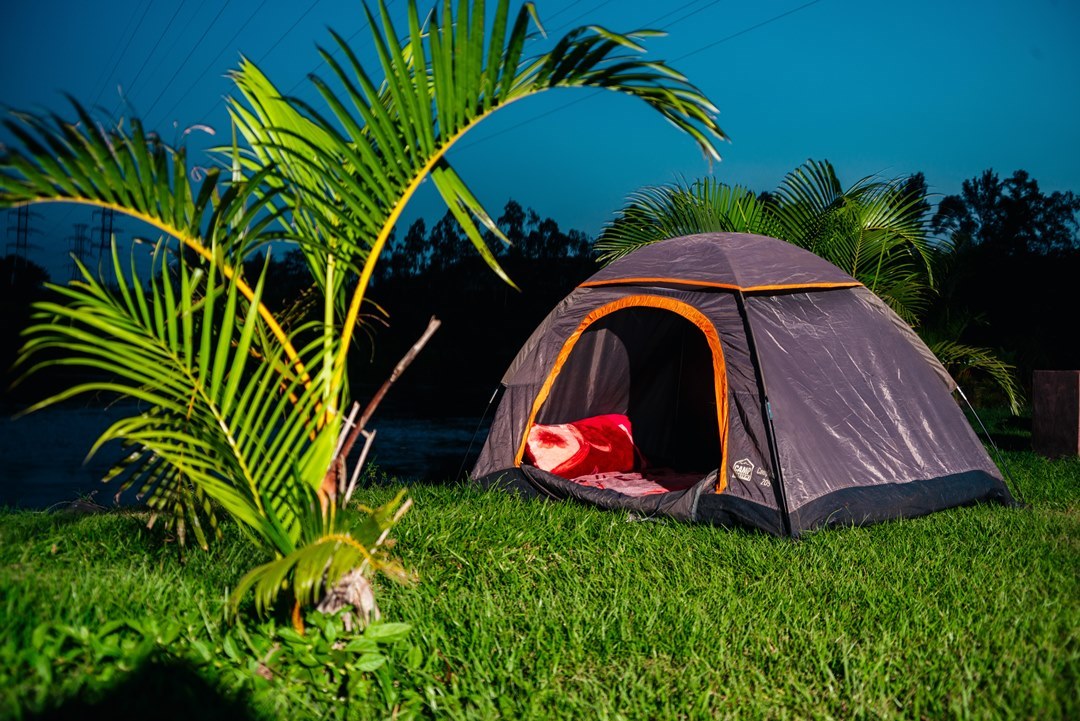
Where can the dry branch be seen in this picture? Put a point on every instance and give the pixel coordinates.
(336, 474)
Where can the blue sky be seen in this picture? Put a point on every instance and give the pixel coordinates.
(947, 88)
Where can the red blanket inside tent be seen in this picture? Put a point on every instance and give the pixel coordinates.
(600, 444)
(599, 452)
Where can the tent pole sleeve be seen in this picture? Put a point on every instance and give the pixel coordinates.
(766, 410)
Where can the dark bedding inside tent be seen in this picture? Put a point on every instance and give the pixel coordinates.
(637, 374)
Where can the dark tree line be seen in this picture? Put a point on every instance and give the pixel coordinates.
(1012, 280)
(532, 238)
(485, 321)
(1010, 218)
(22, 282)
(1009, 283)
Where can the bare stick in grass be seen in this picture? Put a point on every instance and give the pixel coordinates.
(336, 474)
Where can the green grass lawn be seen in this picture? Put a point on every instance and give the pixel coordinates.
(541, 610)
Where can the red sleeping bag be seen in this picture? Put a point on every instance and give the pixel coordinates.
(600, 444)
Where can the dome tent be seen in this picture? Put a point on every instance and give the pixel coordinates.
(760, 386)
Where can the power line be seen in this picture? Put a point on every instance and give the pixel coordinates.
(581, 15)
(571, 6)
(332, 52)
(541, 116)
(761, 24)
(598, 92)
(285, 34)
(269, 50)
(594, 94)
(70, 209)
(321, 63)
(103, 77)
(181, 34)
(687, 16)
(678, 10)
(122, 53)
(649, 24)
(167, 85)
(145, 63)
(213, 61)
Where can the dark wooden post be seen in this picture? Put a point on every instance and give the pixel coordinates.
(1055, 413)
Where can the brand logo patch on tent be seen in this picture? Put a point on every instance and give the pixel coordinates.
(744, 469)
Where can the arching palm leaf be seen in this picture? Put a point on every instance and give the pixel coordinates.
(133, 172)
(353, 170)
(874, 230)
(326, 555)
(810, 195)
(240, 412)
(222, 418)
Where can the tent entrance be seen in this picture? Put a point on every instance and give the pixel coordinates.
(658, 362)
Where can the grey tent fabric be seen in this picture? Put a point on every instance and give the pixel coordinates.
(798, 395)
(732, 259)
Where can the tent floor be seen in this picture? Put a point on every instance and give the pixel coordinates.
(669, 494)
(647, 483)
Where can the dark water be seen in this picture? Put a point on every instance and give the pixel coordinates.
(43, 454)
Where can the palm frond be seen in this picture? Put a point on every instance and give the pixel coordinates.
(872, 230)
(236, 424)
(133, 172)
(960, 360)
(325, 556)
(806, 199)
(705, 206)
(175, 499)
(243, 415)
(353, 168)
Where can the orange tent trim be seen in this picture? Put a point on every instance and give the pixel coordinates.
(725, 286)
(685, 310)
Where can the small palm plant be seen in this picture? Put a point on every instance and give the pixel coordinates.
(670, 211)
(239, 410)
(875, 230)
